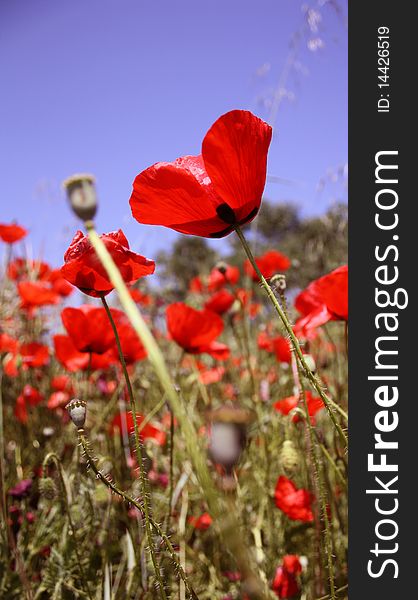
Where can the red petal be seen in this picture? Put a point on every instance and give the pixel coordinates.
(234, 151)
(177, 195)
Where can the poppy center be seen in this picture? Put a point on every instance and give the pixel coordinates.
(225, 212)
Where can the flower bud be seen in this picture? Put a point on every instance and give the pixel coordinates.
(47, 488)
(81, 193)
(289, 457)
(278, 282)
(77, 410)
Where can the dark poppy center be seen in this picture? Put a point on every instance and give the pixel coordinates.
(225, 212)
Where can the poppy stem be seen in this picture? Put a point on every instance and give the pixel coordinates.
(227, 525)
(140, 456)
(53, 458)
(329, 404)
(130, 500)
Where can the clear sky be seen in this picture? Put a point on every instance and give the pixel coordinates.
(111, 86)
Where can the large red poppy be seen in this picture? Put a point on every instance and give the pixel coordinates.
(207, 195)
(83, 268)
(270, 263)
(325, 299)
(11, 233)
(294, 502)
(196, 330)
(89, 328)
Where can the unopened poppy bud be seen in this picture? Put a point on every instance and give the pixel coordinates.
(289, 457)
(222, 267)
(77, 410)
(81, 193)
(278, 282)
(47, 488)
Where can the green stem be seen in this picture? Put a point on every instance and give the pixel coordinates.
(53, 458)
(115, 489)
(329, 404)
(140, 456)
(233, 541)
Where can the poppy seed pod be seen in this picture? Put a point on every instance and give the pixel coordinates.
(221, 266)
(278, 282)
(228, 435)
(81, 193)
(77, 410)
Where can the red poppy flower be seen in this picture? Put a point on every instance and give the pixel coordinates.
(202, 522)
(325, 299)
(207, 195)
(30, 355)
(11, 233)
(67, 354)
(140, 298)
(60, 285)
(36, 293)
(220, 302)
(286, 405)
(294, 502)
(196, 330)
(89, 328)
(83, 268)
(21, 268)
(219, 278)
(132, 347)
(8, 344)
(207, 376)
(270, 263)
(285, 584)
(29, 396)
(125, 422)
(278, 344)
(196, 285)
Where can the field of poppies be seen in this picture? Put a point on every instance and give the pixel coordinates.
(186, 440)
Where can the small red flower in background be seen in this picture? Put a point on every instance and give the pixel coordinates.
(196, 330)
(140, 298)
(207, 376)
(218, 279)
(286, 405)
(29, 396)
(22, 268)
(278, 345)
(125, 422)
(202, 522)
(11, 233)
(207, 195)
(285, 583)
(83, 268)
(270, 263)
(89, 328)
(294, 502)
(220, 302)
(34, 294)
(325, 299)
(8, 344)
(60, 285)
(28, 356)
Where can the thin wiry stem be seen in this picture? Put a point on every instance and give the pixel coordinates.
(53, 458)
(128, 498)
(329, 404)
(140, 457)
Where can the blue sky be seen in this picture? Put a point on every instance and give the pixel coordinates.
(112, 86)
